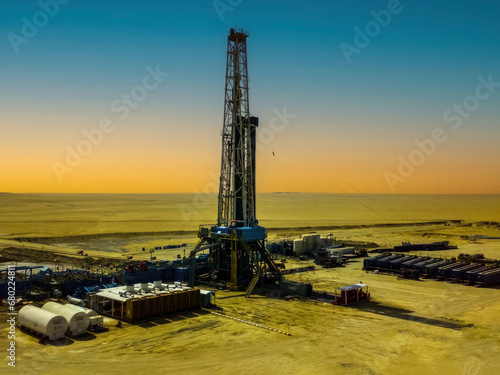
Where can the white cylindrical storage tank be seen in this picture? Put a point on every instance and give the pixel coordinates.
(298, 247)
(89, 312)
(78, 321)
(45, 322)
(145, 287)
(157, 284)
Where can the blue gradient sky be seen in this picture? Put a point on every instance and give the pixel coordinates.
(352, 122)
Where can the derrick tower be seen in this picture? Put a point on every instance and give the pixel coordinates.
(237, 181)
(238, 256)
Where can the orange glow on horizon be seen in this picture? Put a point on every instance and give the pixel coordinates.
(186, 159)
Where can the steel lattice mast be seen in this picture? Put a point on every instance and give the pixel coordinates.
(237, 251)
(237, 181)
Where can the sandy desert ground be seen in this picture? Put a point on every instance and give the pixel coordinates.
(409, 327)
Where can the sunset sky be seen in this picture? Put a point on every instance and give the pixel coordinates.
(427, 73)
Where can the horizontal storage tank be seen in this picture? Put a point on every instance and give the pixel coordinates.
(90, 313)
(298, 247)
(75, 301)
(78, 321)
(44, 322)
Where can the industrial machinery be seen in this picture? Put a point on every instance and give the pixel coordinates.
(329, 258)
(238, 256)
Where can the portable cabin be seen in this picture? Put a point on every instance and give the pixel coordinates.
(350, 294)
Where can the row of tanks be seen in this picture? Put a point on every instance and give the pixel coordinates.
(468, 273)
(54, 320)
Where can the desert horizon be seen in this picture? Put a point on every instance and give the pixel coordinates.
(449, 328)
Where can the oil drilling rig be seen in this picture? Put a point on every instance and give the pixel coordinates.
(236, 244)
